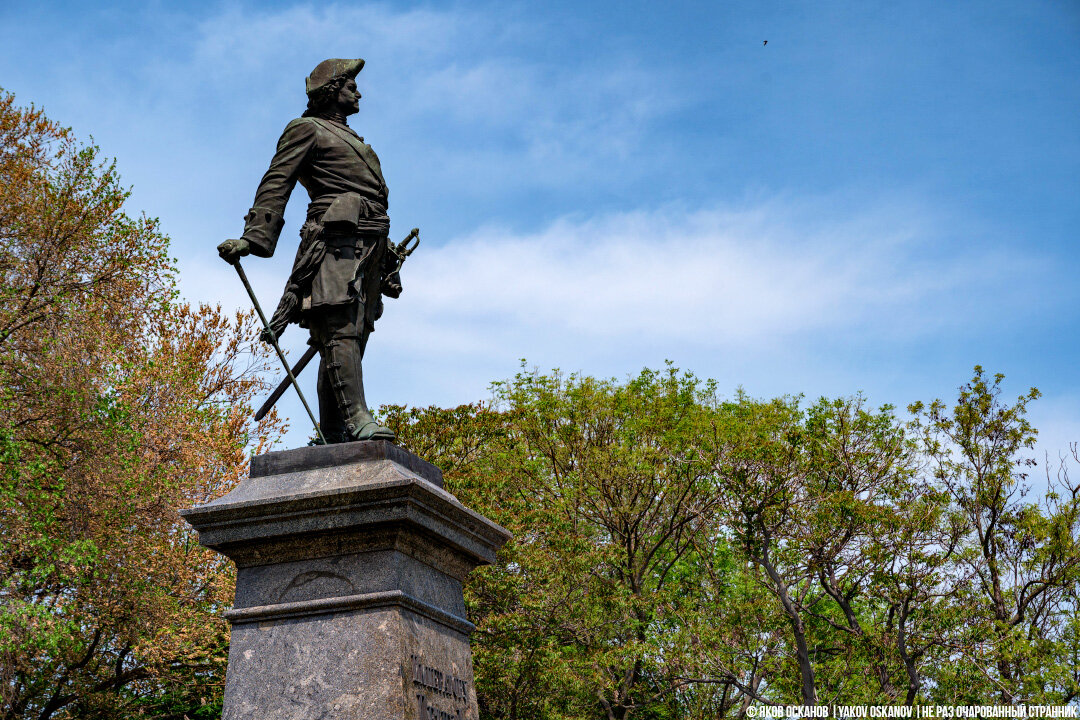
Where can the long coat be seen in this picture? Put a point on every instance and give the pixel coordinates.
(329, 160)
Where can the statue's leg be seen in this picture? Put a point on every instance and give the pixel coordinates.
(337, 331)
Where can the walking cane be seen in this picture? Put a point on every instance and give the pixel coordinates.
(277, 348)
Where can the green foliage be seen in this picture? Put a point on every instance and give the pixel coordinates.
(676, 555)
(605, 492)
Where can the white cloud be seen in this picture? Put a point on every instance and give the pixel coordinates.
(715, 277)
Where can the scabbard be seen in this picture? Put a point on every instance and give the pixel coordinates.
(276, 395)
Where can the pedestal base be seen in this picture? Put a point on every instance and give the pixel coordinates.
(350, 560)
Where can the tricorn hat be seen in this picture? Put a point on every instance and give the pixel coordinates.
(327, 70)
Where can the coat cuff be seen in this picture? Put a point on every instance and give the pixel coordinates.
(261, 229)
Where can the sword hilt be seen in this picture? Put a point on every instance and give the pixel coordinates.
(404, 248)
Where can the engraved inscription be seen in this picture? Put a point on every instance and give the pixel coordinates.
(433, 688)
(438, 682)
(430, 712)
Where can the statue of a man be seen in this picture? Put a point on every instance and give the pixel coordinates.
(345, 263)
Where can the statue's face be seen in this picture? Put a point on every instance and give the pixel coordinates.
(348, 99)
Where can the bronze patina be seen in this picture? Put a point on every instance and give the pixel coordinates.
(345, 262)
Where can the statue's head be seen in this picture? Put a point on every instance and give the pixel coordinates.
(332, 86)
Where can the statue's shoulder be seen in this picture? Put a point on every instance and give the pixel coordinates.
(300, 130)
(299, 133)
(300, 127)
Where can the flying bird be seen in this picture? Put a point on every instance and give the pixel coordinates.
(765, 43)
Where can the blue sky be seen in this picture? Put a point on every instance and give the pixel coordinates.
(884, 195)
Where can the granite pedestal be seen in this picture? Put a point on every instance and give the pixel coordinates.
(350, 560)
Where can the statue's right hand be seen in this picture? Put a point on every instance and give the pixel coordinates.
(232, 250)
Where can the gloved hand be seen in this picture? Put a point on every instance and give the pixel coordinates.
(232, 250)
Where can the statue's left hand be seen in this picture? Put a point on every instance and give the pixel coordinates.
(232, 250)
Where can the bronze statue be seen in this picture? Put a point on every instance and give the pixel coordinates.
(345, 262)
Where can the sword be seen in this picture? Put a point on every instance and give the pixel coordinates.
(277, 349)
(280, 389)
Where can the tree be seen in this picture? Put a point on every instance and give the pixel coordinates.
(1023, 556)
(811, 497)
(118, 405)
(605, 489)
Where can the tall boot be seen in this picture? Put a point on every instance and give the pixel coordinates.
(342, 380)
